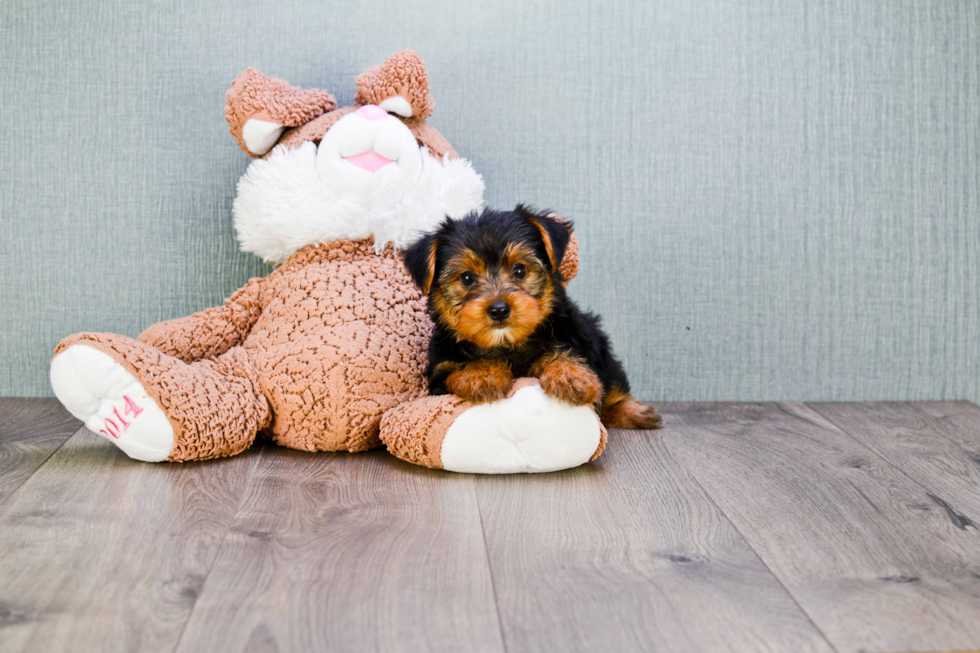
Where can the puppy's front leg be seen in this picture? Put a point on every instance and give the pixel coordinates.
(567, 378)
(481, 381)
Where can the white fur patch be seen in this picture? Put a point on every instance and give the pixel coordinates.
(261, 135)
(528, 432)
(397, 104)
(305, 196)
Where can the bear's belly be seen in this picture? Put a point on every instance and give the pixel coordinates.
(337, 345)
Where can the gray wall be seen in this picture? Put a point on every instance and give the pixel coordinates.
(776, 200)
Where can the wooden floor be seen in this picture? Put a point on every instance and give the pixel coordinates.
(739, 527)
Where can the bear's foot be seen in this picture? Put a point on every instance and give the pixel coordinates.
(111, 402)
(526, 432)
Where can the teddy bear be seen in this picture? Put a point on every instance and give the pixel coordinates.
(327, 352)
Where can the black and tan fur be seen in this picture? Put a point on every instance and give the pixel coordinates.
(501, 312)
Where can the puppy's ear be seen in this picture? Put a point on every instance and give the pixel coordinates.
(420, 261)
(555, 233)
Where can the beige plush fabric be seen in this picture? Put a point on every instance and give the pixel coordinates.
(603, 436)
(343, 338)
(425, 134)
(253, 95)
(313, 130)
(212, 332)
(404, 74)
(414, 431)
(313, 354)
(310, 114)
(569, 263)
(215, 406)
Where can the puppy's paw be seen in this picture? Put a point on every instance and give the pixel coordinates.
(621, 411)
(567, 378)
(481, 381)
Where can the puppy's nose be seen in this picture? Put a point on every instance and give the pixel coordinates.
(372, 112)
(499, 311)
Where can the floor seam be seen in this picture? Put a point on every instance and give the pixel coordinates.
(221, 545)
(887, 460)
(17, 489)
(493, 581)
(759, 557)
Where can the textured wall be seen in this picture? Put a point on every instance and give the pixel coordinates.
(776, 200)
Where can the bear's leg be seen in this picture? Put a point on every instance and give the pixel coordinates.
(155, 407)
(526, 432)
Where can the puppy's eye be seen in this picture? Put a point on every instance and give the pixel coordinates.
(519, 271)
(468, 279)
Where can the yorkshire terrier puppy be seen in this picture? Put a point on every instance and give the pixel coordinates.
(500, 311)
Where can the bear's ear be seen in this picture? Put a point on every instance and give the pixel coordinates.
(400, 85)
(569, 262)
(555, 233)
(420, 261)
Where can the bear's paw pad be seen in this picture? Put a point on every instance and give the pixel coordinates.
(111, 402)
(528, 432)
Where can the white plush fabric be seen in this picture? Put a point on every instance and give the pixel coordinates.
(310, 195)
(261, 135)
(528, 432)
(397, 104)
(94, 388)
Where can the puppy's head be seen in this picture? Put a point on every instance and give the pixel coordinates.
(491, 277)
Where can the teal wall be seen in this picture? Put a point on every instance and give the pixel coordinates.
(776, 200)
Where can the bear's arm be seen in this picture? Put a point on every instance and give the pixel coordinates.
(211, 332)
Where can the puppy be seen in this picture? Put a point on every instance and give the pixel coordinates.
(500, 311)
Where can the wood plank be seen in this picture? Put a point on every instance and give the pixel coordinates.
(937, 443)
(349, 552)
(104, 553)
(860, 546)
(629, 554)
(30, 431)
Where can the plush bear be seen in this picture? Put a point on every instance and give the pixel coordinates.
(327, 352)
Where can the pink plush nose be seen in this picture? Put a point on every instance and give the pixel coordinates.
(372, 112)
